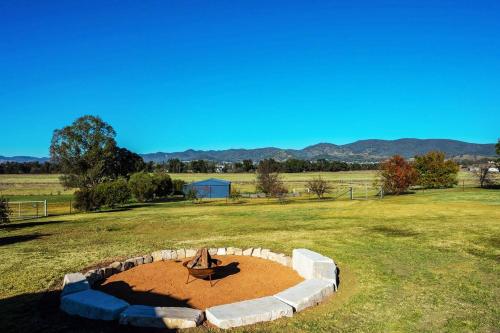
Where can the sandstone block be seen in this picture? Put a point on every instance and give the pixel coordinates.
(248, 312)
(93, 304)
(161, 317)
(147, 259)
(190, 253)
(74, 282)
(256, 252)
(305, 294)
(312, 265)
(181, 254)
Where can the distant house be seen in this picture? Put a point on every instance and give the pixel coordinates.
(210, 188)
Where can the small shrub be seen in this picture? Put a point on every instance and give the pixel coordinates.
(235, 194)
(192, 195)
(319, 186)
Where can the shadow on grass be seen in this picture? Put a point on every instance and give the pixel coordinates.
(19, 239)
(39, 312)
(22, 225)
(394, 232)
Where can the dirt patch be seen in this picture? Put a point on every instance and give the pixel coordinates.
(163, 283)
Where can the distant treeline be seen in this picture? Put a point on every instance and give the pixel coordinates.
(288, 166)
(203, 166)
(28, 167)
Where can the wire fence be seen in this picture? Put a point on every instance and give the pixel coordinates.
(29, 209)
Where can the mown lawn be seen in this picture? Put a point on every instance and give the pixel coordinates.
(420, 262)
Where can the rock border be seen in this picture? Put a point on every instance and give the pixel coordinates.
(319, 272)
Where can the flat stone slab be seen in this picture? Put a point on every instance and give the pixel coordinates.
(305, 294)
(161, 317)
(73, 283)
(93, 304)
(312, 265)
(248, 312)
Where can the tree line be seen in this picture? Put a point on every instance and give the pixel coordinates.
(29, 168)
(245, 166)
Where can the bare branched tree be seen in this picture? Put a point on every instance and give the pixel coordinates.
(5, 211)
(269, 181)
(483, 175)
(319, 186)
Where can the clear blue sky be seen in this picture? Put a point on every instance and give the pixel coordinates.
(172, 75)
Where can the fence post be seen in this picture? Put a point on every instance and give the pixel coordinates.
(19, 209)
(45, 208)
(351, 192)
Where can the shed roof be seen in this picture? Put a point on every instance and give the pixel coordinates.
(212, 181)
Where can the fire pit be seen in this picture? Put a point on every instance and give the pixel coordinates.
(201, 266)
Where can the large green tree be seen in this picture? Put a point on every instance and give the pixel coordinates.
(84, 151)
(434, 171)
(87, 154)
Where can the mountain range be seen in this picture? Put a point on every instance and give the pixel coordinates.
(359, 151)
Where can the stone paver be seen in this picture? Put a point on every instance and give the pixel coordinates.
(221, 251)
(190, 253)
(307, 293)
(181, 254)
(312, 265)
(147, 259)
(256, 252)
(161, 317)
(73, 283)
(264, 253)
(157, 255)
(247, 252)
(248, 312)
(93, 304)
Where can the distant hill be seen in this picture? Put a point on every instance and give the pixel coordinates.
(359, 151)
(22, 159)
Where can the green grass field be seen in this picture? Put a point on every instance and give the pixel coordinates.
(426, 262)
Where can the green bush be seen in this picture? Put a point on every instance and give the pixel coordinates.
(143, 186)
(86, 200)
(434, 171)
(178, 186)
(113, 193)
(163, 184)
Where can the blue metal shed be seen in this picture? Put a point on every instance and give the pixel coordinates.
(210, 188)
